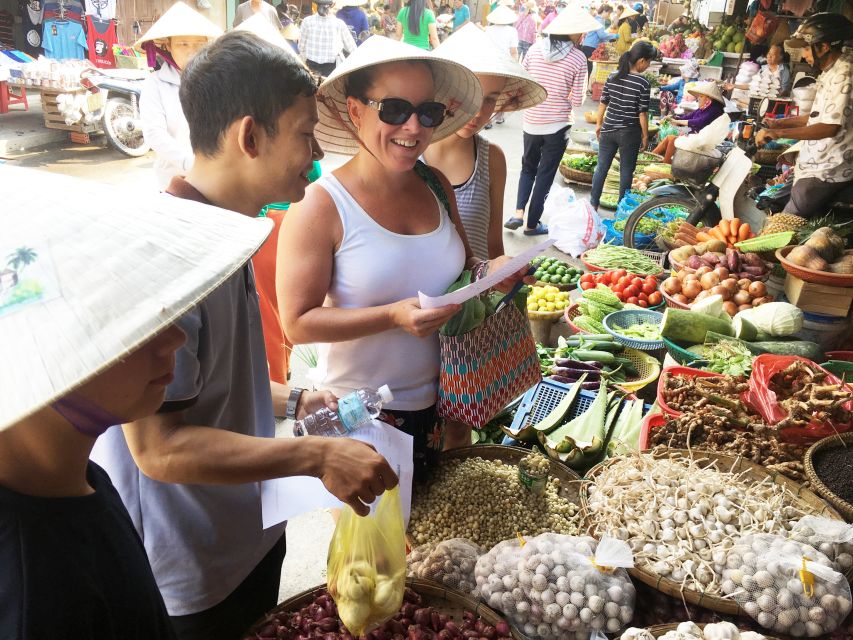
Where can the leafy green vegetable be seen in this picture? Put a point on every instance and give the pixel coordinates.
(730, 357)
(580, 162)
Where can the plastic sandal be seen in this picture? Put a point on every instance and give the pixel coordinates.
(513, 223)
(539, 230)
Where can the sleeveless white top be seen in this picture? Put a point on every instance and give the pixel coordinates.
(374, 267)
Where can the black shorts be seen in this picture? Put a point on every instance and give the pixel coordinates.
(426, 428)
(812, 197)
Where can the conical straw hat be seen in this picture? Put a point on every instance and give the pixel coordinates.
(628, 13)
(572, 20)
(261, 27)
(708, 89)
(472, 48)
(455, 86)
(502, 15)
(180, 20)
(97, 274)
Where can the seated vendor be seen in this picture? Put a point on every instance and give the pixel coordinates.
(710, 108)
(672, 93)
(775, 68)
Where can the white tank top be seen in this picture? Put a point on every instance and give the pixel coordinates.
(374, 267)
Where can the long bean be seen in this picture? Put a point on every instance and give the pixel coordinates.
(615, 257)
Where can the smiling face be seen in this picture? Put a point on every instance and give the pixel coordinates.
(397, 147)
(493, 87)
(136, 386)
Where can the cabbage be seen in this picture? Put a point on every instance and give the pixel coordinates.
(712, 306)
(779, 319)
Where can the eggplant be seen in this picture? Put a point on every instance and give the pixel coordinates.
(568, 372)
(577, 364)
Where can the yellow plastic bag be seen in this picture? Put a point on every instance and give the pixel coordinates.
(367, 565)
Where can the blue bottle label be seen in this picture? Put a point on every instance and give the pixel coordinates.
(352, 411)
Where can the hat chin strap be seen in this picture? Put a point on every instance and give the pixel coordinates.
(85, 416)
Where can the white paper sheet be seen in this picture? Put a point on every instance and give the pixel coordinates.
(476, 288)
(286, 498)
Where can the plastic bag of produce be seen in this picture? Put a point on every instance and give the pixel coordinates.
(574, 224)
(450, 562)
(803, 400)
(786, 586)
(833, 538)
(367, 564)
(555, 586)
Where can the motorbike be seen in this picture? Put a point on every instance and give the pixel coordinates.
(120, 119)
(703, 195)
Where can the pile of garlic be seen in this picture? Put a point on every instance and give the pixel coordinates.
(681, 517)
(549, 589)
(450, 562)
(833, 538)
(786, 586)
(692, 631)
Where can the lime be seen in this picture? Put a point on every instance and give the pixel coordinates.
(566, 279)
(538, 275)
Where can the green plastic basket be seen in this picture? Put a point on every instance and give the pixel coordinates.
(678, 353)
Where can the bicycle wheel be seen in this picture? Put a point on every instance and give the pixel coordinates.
(644, 223)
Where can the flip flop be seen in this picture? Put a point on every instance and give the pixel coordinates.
(513, 223)
(539, 230)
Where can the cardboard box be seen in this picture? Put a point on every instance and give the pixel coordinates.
(818, 298)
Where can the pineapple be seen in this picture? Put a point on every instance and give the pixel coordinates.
(782, 222)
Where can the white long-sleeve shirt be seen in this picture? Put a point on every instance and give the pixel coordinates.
(164, 126)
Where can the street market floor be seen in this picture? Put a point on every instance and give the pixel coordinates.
(308, 535)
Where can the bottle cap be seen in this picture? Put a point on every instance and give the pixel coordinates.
(385, 393)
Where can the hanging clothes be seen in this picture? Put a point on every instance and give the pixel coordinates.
(32, 16)
(103, 9)
(67, 9)
(100, 38)
(64, 40)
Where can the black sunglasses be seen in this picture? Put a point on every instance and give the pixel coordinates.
(396, 111)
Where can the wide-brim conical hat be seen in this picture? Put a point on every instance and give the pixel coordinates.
(628, 13)
(502, 15)
(572, 20)
(261, 27)
(96, 274)
(472, 48)
(709, 89)
(455, 86)
(180, 20)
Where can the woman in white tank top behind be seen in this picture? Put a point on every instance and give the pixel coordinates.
(474, 166)
(368, 237)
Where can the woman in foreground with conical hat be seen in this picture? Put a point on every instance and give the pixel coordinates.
(83, 349)
(171, 42)
(475, 167)
(373, 234)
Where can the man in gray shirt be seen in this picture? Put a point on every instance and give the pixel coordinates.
(249, 8)
(189, 475)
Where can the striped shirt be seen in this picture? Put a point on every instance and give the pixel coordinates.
(474, 202)
(563, 79)
(626, 98)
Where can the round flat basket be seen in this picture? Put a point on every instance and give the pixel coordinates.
(572, 312)
(672, 302)
(840, 440)
(446, 601)
(569, 480)
(561, 287)
(656, 257)
(544, 316)
(659, 630)
(810, 275)
(647, 366)
(619, 320)
(573, 175)
(805, 499)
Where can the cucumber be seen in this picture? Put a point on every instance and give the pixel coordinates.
(604, 357)
(680, 325)
(803, 348)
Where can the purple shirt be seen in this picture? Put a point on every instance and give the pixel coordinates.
(701, 118)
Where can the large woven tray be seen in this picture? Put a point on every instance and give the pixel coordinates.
(843, 507)
(726, 463)
(660, 629)
(447, 601)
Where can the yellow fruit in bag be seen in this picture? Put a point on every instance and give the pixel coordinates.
(367, 565)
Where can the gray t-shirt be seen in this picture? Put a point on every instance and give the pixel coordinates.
(203, 540)
(244, 12)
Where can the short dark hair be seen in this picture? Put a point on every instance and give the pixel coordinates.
(239, 75)
(605, 8)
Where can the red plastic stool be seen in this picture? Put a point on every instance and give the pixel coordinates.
(8, 98)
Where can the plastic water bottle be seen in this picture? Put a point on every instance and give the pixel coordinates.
(354, 411)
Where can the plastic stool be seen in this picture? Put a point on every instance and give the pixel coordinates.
(7, 98)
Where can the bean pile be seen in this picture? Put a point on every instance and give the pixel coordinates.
(834, 466)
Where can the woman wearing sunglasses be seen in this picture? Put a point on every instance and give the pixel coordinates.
(372, 234)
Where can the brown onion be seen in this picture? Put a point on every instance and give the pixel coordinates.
(701, 271)
(722, 272)
(760, 301)
(723, 291)
(671, 286)
(757, 289)
(709, 280)
(691, 289)
(742, 298)
(744, 283)
(744, 307)
(730, 308)
(680, 297)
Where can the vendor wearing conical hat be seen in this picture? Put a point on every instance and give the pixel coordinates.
(172, 41)
(624, 30)
(380, 229)
(502, 31)
(87, 333)
(711, 107)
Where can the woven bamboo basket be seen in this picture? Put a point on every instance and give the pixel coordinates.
(806, 499)
(660, 629)
(447, 601)
(573, 175)
(768, 156)
(843, 507)
(672, 302)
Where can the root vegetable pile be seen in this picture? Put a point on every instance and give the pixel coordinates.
(806, 396)
(484, 501)
(680, 517)
(414, 621)
(706, 429)
(720, 394)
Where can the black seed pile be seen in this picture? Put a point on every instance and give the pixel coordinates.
(834, 466)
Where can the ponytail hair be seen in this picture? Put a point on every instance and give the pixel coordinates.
(640, 51)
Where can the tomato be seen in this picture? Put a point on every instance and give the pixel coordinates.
(620, 273)
(587, 285)
(649, 288)
(632, 300)
(587, 277)
(611, 277)
(643, 303)
(643, 296)
(617, 288)
(625, 281)
(637, 281)
(632, 291)
(655, 298)
(651, 279)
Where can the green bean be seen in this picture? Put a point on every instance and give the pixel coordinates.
(615, 257)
